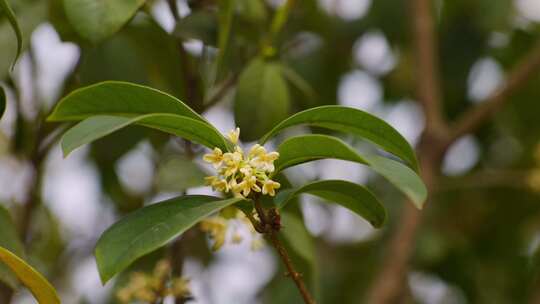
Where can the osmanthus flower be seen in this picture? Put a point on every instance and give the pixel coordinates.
(150, 288)
(242, 173)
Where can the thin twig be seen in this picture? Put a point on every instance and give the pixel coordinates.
(271, 230)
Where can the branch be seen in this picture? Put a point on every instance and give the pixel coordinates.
(520, 74)
(427, 75)
(270, 225)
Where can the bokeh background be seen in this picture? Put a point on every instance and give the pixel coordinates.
(480, 231)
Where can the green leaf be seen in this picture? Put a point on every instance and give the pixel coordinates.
(352, 196)
(99, 126)
(118, 98)
(353, 121)
(202, 25)
(42, 290)
(2, 102)
(225, 18)
(262, 99)
(296, 234)
(9, 239)
(97, 20)
(4, 5)
(301, 149)
(150, 228)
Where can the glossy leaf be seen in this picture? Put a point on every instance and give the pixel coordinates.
(96, 20)
(301, 149)
(353, 121)
(8, 12)
(9, 239)
(42, 290)
(150, 228)
(262, 99)
(118, 98)
(99, 126)
(352, 196)
(2, 102)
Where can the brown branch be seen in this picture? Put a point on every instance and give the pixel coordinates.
(427, 74)
(523, 71)
(270, 225)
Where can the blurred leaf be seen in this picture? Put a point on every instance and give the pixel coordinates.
(262, 99)
(4, 5)
(297, 236)
(353, 121)
(118, 98)
(42, 290)
(252, 10)
(352, 196)
(149, 228)
(225, 19)
(306, 148)
(97, 20)
(9, 239)
(280, 17)
(202, 25)
(179, 173)
(142, 52)
(29, 15)
(2, 102)
(299, 82)
(96, 127)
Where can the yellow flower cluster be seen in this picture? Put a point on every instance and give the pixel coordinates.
(217, 227)
(242, 173)
(148, 288)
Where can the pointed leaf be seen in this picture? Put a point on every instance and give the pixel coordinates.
(2, 102)
(352, 196)
(96, 127)
(97, 20)
(262, 99)
(42, 290)
(301, 149)
(6, 10)
(9, 239)
(118, 98)
(349, 120)
(150, 228)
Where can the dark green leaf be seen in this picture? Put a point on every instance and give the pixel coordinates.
(353, 121)
(226, 14)
(200, 25)
(9, 239)
(301, 149)
(96, 20)
(150, 228)
(180, 173)
(42, 290)
(118, 98)
(2, 102)
(352, 196)
(297, 236)
(262, 99)
(99, 126)
(6, 9)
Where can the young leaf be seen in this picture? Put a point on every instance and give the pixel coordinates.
(301, 149)
(97, 20)
(353, 121)
(9, 239)
(352, 196)
(6, 9)
(262, 99)
(118, 98)
(150, 228)
(99, 126)
(42, 290)
(2, 102)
